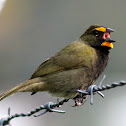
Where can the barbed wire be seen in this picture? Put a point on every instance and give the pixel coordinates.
(50, 107)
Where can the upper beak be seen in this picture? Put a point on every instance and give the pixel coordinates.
(110, 30)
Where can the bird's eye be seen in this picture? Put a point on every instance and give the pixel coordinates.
(96, 33)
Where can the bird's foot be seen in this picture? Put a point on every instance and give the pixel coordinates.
(80, 100)
(91, 91)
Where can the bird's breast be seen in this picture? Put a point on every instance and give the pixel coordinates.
(100, 63)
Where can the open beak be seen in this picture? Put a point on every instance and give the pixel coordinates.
(108, 41)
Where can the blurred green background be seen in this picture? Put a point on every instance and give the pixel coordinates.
(33, 30)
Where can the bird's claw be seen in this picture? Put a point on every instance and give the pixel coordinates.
(90, 92)
(92, 89)
(80, 100)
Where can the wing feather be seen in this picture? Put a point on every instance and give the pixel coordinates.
(73, 56)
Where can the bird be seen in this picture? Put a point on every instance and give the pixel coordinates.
(76, 66)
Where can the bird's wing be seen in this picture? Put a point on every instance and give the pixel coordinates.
(73, 56)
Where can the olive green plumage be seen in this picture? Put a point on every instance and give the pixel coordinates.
(77, 66)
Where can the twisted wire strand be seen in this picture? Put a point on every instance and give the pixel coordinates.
(49, 107)
(94, 88)
(113, 85)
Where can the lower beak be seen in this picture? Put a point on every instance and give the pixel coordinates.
(108, 42)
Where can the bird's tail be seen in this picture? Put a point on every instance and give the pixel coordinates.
(32, 85)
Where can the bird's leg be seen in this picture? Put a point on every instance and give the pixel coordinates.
(58, 102)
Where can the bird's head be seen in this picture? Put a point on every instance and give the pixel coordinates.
(98, 37)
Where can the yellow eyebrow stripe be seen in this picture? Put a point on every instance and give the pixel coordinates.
(102, 29)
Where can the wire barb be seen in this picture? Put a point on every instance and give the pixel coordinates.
(94, 88)
(50, 107)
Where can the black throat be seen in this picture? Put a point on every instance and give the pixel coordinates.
(102, 49)
(103, 57)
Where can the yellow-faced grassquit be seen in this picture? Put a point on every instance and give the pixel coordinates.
(77, 66)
